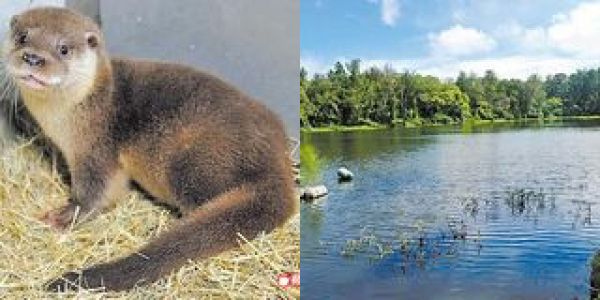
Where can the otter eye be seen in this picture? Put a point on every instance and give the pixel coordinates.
(22, 38)
(64, 50)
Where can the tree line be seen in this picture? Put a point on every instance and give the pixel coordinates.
(347, 96)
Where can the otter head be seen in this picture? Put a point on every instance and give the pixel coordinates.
(52, 48)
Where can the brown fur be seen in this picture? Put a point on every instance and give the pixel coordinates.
(189, 139)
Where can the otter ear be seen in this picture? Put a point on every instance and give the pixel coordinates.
(92, 39)
(13, 21)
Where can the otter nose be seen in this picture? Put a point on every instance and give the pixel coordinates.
(33, 60)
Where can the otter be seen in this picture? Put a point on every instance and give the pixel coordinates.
(188, 138)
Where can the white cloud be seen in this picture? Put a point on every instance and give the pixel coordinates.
(390, 12)
(577, 32)
(460, 41)
(508, 30)
(516, 66)
(314, 65)
(505, 67)
(560, 17)
(534, 39)
(569, 41)
(398, 65)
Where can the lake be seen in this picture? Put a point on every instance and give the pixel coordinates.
(506, 211)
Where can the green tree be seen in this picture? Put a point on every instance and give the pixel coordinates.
(348, 96)
(534, 89)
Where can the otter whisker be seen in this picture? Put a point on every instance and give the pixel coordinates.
(8, 87)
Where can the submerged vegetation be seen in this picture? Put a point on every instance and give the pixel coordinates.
(416, 246)
(421, 244)
(347, 97)
(526, 202)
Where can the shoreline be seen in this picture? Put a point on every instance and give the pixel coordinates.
(473, 122)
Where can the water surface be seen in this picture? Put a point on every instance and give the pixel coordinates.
(494, 212)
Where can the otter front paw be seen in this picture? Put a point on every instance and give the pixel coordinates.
(61, 218)
(96, 278)
(68, 282)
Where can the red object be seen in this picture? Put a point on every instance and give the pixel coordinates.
(288, 280)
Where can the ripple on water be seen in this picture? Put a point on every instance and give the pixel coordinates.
(431, 188)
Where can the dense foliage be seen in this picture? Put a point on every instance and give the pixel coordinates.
(348, 96)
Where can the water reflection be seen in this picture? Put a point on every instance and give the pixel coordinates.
(494, 212)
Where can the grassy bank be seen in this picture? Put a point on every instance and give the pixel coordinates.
(340, 128)
(31, 253)
(418, 124)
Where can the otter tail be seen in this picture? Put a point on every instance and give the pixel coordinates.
(211, 229)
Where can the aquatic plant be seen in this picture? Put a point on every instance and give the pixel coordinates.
(522, 201)
(414, 246)
(595, 276)
(366, 243)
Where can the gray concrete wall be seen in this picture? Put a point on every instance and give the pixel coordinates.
(91, 8)
(253, 44)
(8, 8)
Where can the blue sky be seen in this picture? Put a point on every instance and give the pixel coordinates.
(441, 37)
